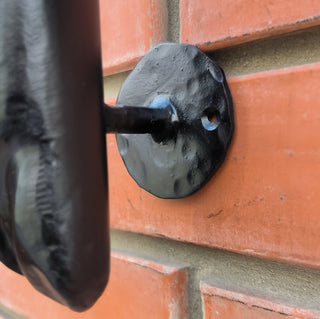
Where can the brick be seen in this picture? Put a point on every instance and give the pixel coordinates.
(264, 200)
(224, 304)
(129, 30)
(213, 24)
(137, 288)
(148, 290)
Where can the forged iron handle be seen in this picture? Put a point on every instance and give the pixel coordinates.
(53, 184)
(139, 119)
(53, 175)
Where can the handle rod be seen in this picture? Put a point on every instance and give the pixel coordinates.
(139, 119)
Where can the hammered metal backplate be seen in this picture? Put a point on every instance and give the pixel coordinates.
(196, 86)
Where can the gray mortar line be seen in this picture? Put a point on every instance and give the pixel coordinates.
(272, 53)
(112, 84)
(279, 282)
(173, 21)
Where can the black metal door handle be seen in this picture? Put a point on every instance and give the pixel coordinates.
(172, 135)
(53, 190)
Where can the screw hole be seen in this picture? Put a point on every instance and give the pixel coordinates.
(210, 119)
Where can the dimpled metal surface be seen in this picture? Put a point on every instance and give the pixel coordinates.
(196, 86)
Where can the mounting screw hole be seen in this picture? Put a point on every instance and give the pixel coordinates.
(210, 119)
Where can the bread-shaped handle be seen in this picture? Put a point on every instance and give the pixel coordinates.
(53, 187)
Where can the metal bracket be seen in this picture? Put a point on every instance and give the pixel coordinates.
(53, 177)
(177, 138)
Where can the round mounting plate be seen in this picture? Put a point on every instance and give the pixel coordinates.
(197, 88)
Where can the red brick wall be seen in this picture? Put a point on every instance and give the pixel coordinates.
(247, 244)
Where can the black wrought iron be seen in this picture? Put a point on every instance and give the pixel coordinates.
(139, 119)
(180, 160)
(173, 134)
(53, 190)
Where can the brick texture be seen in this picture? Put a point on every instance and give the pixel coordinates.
(224, 304)
(148, 290)
(264, 199)
(137, 289)
(214, 24)
(129, 30)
